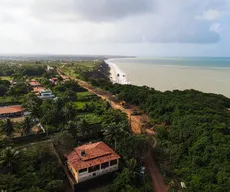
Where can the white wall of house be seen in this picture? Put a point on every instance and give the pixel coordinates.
(86, 175)
(46, 94)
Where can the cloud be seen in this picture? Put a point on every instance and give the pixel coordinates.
(210, 15)
(47, 23)
(94, 10)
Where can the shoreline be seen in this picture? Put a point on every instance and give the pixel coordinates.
(172, 77)
(114, 71)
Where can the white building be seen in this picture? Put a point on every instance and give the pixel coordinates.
(92, 160)
(46, 94)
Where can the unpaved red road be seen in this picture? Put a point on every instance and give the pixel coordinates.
(138, 126)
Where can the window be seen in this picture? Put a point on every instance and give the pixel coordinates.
(94, 168)
(82, 170)
(104, 165)
(113, 162)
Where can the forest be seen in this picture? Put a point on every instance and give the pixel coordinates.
(192, 134)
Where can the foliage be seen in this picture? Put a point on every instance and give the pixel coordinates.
(21, 88)
(54, 185)
(8, 127)
(9, 182)
(63, 142)
(193, 138)
(124, 182)
(27, 125)
(8, 159)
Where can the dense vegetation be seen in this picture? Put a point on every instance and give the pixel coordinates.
(30, 169)
(73, 118)
(192, 134)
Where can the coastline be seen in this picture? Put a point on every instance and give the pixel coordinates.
(114, 71)
(164, 77)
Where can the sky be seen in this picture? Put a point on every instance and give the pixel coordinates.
(116, 27)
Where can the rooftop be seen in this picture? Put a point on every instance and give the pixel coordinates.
(38, 89)
(94, 154)
(11, 109)
(34, 83)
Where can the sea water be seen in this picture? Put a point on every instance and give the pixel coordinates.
(204, 74)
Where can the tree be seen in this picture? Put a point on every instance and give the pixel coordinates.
(63, 142)
(84, 127)
(32, 103)
(69, 111)
(72, 127)
(27, 125)
(9, 183)
(3, 90)
(113, 132)
(124, 182)
(8, 127)
(8, 158)
(54, 186)
(132, 165)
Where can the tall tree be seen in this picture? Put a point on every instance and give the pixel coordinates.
(69, 111)
(8, 158)
(113, 132)
(84, 126)
(8, 127)
(27, 125)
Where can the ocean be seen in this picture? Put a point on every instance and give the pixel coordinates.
(210, 75)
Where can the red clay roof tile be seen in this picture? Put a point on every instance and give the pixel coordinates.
(95, 154)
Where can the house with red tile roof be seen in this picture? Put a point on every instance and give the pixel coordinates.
(34, 84)
(11, 111)
(92, 160)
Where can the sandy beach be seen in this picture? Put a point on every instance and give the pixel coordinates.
(114, 71)
(163, 78)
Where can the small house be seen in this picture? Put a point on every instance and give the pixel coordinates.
(92, 160)
(34, 84)
(11, 111)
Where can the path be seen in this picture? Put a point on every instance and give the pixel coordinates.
(138, 125)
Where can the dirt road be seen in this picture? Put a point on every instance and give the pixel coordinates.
(138, 125)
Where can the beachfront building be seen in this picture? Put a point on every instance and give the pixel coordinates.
(11, 111)
(92, 160)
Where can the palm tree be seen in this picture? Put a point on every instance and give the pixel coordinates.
(84, 127)
(8, 158)
(8, 127)
(27, 125)
(113, 132)
(71, 127)
(132, 166)
(69, 112)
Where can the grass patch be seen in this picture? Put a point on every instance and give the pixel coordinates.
(81, 104)
(91, 118)
(84, 96)
(8, 78)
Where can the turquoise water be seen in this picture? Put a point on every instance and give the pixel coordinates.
(210, 75)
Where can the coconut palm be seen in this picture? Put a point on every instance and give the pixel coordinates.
(8, 127)
(8, 158)
(69, 111)
(132, 166)
(27, 125)
(113, 132)
(72, 128)
(84, 127)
